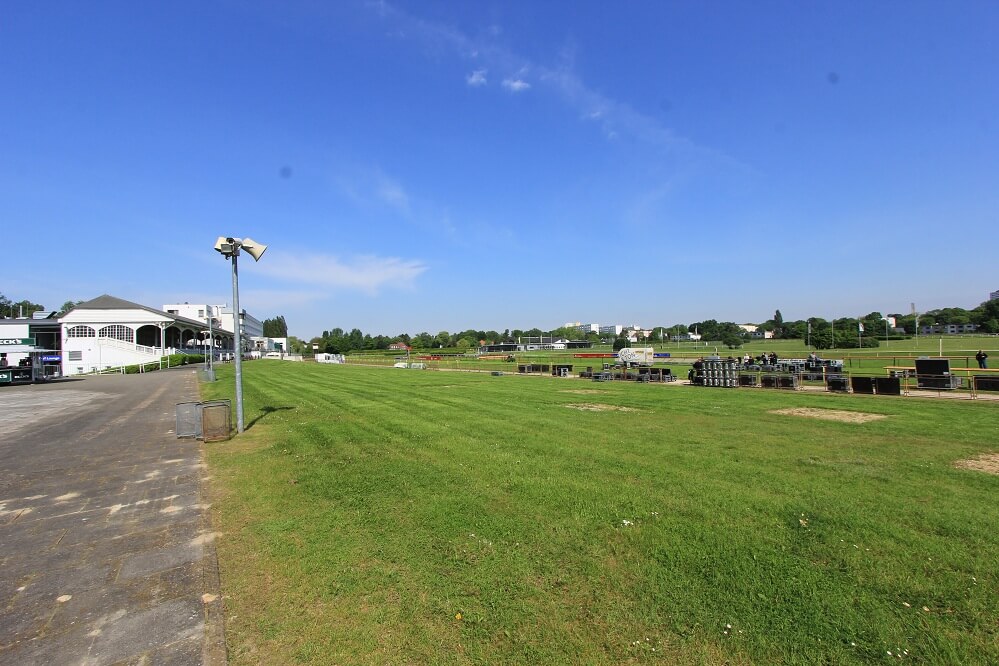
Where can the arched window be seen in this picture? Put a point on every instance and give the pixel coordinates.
(117, 332)
(80, 332)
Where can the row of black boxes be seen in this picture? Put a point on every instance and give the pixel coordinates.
(860, 384)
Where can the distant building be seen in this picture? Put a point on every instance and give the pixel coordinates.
(399, 346)
(639, 334)
(755, 333)
(585, 329)
(221, 316)
(263, 345)
(499, 347)
(612, 330)
(535, 343)
(947, 329)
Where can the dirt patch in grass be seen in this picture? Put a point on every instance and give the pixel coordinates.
(583, 391)
(830, 414)
(596, 407)
(987, 462)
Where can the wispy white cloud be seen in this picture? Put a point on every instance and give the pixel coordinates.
(370, 187)
(614, 118)
(516, 85)
(373, 193)
(392, 193)
(367, 273)
(476, 78)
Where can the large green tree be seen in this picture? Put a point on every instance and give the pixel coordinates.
(67, 306)
(423, 340)
(276, 327)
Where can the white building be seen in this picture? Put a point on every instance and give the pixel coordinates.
(754, 332)
(948, 329)
(109, 332)
(266, 345)
(221, 316)
(585, 329)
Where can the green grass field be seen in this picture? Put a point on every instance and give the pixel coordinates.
(395, 516)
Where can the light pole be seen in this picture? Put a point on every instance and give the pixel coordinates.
(211, 345)
(229, 248)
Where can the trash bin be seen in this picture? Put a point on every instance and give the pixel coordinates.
(216, 420)
(188, 420)
(210, 421)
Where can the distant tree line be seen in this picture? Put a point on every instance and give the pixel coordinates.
(820, 333)
(25, 308)
(847, 330)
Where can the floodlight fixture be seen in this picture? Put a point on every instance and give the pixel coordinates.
(229, 247)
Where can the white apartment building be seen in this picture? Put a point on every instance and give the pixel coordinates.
(585, 329)
(221, 315)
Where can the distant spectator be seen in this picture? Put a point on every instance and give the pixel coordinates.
(982, 359)
(3, 360)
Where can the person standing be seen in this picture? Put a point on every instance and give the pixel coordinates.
(982, 357)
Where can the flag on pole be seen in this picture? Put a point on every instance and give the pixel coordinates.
(809, 327)
(860, 327)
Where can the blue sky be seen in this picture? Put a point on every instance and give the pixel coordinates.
(449, 165)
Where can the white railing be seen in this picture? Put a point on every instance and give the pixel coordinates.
(131, 346)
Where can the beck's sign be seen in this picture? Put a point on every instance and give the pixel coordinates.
(10, 342)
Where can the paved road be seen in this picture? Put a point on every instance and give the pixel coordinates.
(106, 552)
